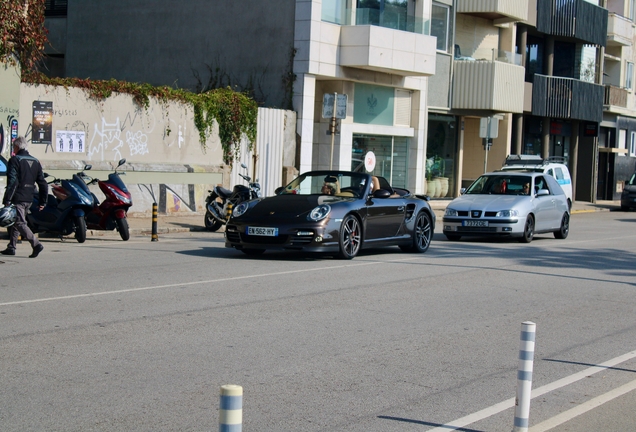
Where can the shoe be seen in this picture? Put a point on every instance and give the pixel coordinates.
(8, 251)
(36, 251)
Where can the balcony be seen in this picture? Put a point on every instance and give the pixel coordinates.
(386, 50)
(495, 86)
(615, 98)
(620, 30)
(567, 98)
(577, 19)
(499, 11)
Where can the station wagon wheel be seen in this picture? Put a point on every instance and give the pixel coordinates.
(528, 231)
(350, 237)
(563, 232)
(422, 234)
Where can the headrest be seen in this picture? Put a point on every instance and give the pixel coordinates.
(331, 179)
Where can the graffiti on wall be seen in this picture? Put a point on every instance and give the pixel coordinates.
(169, 198)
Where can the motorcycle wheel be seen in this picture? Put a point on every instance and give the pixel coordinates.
(80, 229)
(122, 227)
(211, 224)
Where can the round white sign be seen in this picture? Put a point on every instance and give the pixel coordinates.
(369, 161)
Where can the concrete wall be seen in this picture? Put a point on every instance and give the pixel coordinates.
(168, 43)
(166, 162)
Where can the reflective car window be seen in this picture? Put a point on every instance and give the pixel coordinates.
(498, 184)
(559, 173)
(554, 186)
(540, 183)
(327, 183)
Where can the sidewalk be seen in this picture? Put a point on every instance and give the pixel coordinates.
(193, 222)
(188, 222)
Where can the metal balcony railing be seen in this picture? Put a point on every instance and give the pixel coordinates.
(615, 96)
(573, 18)
(567, 98)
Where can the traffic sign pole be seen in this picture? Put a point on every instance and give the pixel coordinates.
(333, 129)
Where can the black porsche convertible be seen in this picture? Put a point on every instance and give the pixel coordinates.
(337, 212)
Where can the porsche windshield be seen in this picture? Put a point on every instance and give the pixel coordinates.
(328, 183)
(501, 184)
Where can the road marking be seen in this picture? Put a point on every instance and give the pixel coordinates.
(509, 403)
(583, 408)
(210, 281)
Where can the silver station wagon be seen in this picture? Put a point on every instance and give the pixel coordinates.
(516, 204)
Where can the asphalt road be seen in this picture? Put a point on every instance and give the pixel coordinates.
(139, 335)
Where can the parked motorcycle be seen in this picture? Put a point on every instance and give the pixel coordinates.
(111, 213)
(64, 211)
(221, 201)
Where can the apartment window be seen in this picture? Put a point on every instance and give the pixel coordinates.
(629, 75)
(632, 145)
(632, 10)
(334, 11)
(622, 140)
(440, 26)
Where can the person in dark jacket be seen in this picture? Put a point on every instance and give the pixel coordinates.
(24, 171)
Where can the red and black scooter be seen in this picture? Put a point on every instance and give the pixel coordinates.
(111, 213)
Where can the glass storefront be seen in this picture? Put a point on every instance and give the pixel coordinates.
(441, 155)
(391, 156)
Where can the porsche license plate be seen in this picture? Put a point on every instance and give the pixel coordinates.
(474, 223)
(258, 231)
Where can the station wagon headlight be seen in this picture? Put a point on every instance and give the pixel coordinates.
(319, 213)
(508, 213)
(450, 212)
(240, 209)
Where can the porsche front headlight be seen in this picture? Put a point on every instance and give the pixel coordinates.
(240, 209)
(319, 213)
(507, 213)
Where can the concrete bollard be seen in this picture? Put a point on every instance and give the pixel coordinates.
(524, 376)
(231, 409)
(155, 237)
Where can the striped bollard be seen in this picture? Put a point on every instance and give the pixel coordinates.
(231, 409)
(155, 237)
(524, 376)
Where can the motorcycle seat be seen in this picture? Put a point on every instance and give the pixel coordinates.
(222, 192)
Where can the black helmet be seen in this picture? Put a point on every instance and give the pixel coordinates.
(8, 216)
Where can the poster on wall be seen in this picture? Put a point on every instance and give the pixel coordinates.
(42, 122)
(70, 141)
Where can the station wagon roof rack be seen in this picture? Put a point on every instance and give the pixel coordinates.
(534, 160)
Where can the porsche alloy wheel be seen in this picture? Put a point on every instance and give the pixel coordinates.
(350, 237)
(422, 234)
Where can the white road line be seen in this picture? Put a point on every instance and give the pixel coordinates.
(210, 281)
(583, 408)
(509, 403)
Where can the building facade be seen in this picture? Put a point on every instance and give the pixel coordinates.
(287, 53)
(617, 136)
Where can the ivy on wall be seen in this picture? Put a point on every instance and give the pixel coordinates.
(235, 113)
(22, 32)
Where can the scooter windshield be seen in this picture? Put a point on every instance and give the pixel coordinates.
(115, 180)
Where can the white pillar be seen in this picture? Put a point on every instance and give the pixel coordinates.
(304, 101)
(524, 376)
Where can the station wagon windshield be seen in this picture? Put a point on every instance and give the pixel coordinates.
(501, 184)
(328, 183)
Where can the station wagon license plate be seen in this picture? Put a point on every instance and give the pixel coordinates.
(258, 231)
(474, 223)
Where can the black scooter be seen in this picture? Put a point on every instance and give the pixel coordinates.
(64, 211)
